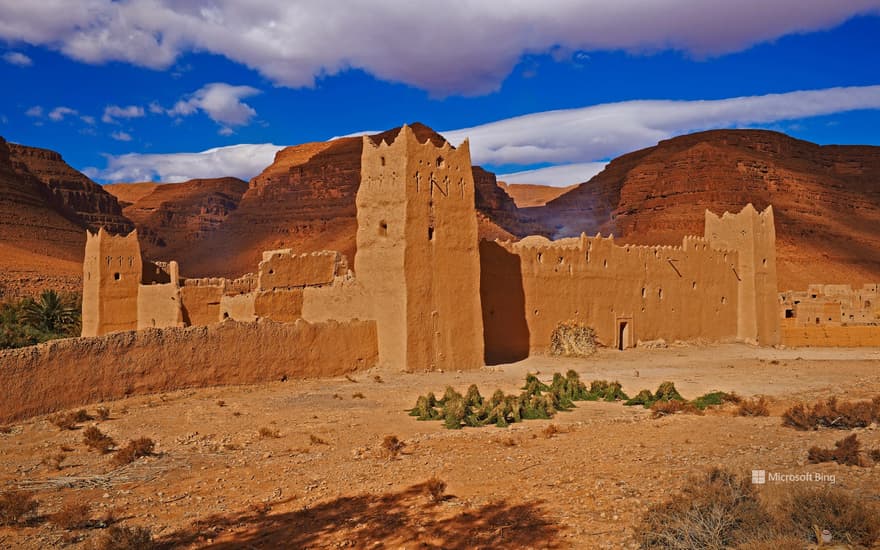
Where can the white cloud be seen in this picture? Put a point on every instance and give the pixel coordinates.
(18, 59)
(220, 101)
(36, 112)
(112, 112)
(575, 140)
(121, 136)
(58, 113)
(90, 120)
(241, 161)
(446, 46)
(602, 131)
(562, 175)
(226, 131)
(155, 108)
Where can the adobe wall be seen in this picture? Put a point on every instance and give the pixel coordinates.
(112, 271)
(831, 305)
(830, 336)
(200, 299)
(753, 235)
(66, 373)
(159, 306)
(282, 269)
(626, 293)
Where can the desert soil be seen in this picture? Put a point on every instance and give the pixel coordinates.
(322, 483)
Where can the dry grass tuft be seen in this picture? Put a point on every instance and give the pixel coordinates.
(550, 431)
(832, 413)
(315, 440)
(119, 537)
(850, 519)
(97, 440)
(16, 506)
(673, 406)
(436, 489)
(269, 433)
(753, 407)
(392, 446)
(72, 515)
(103, 412)
(5, 429)
(572, 339)
(135, 449)
(847, 451)
(63, 421)
(54, 461)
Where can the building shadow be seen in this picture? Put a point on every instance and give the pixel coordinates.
(403, 519)
(505, 330)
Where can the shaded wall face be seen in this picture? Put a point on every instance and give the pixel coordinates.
(159, 306)
(298, 270)
(201, 304)
(505, 330)
(672, 293)
(111, 275)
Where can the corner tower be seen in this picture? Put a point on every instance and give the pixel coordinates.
(417, 252)
(111, 276)
(753, 235)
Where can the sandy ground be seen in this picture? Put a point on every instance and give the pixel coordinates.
(322, 483)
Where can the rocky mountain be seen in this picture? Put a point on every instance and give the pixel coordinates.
(527, 195)
(45, 207)
(826, 199)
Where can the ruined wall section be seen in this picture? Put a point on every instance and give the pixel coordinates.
(112, 272)
(159, 302)
(753, 236)
(66, 373)
(282, 269)
(627, 293)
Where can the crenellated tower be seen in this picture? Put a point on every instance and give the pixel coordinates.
(111, 276)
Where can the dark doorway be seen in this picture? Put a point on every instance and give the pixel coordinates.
(505, 330)
(623, 335)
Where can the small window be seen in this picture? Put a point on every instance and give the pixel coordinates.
(117, 276)
(694, 285)
(383, 228)
(605, 263)
(430, 233)
(724, 299)
(440, 162)
(382, 161)
(540, 257)
(644, 292)
(789, 314)
(660, 293)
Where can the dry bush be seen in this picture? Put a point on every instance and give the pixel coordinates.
(135, 449)
(81, 416)
(267, 433)
(54, 461)
(832, 413)
(846, 451)
(875, 455)
(103, 412)
(357, 395)
(392, 446)
(72, 515)
(315, 440)
(119, 537)
(780, 542)
(16, 506)
(436, 489)
(63, 421)
(571, 339)
(718, 510)
(849, 519)
(664, 408)
(550, 431)
(5, 429)
(753, 407)
(97, 440)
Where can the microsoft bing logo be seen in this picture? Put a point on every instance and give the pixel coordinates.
(759, 477)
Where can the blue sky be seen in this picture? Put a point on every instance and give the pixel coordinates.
(127, 91)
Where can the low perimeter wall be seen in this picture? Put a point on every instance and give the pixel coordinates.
(77, 371)
(831, 336)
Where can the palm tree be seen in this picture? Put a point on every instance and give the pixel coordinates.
(52, 313)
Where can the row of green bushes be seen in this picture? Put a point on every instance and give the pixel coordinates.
(29, 321)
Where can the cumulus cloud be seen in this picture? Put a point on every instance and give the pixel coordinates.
(446, 46)
(241, 161)
(575, 141)
(112, 112)
(58, 113)
(562, 175)
(18, 59)
(36, 112)
(221, 102)
(121, 136)
(602, 131)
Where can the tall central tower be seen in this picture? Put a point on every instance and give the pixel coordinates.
(417, 252)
